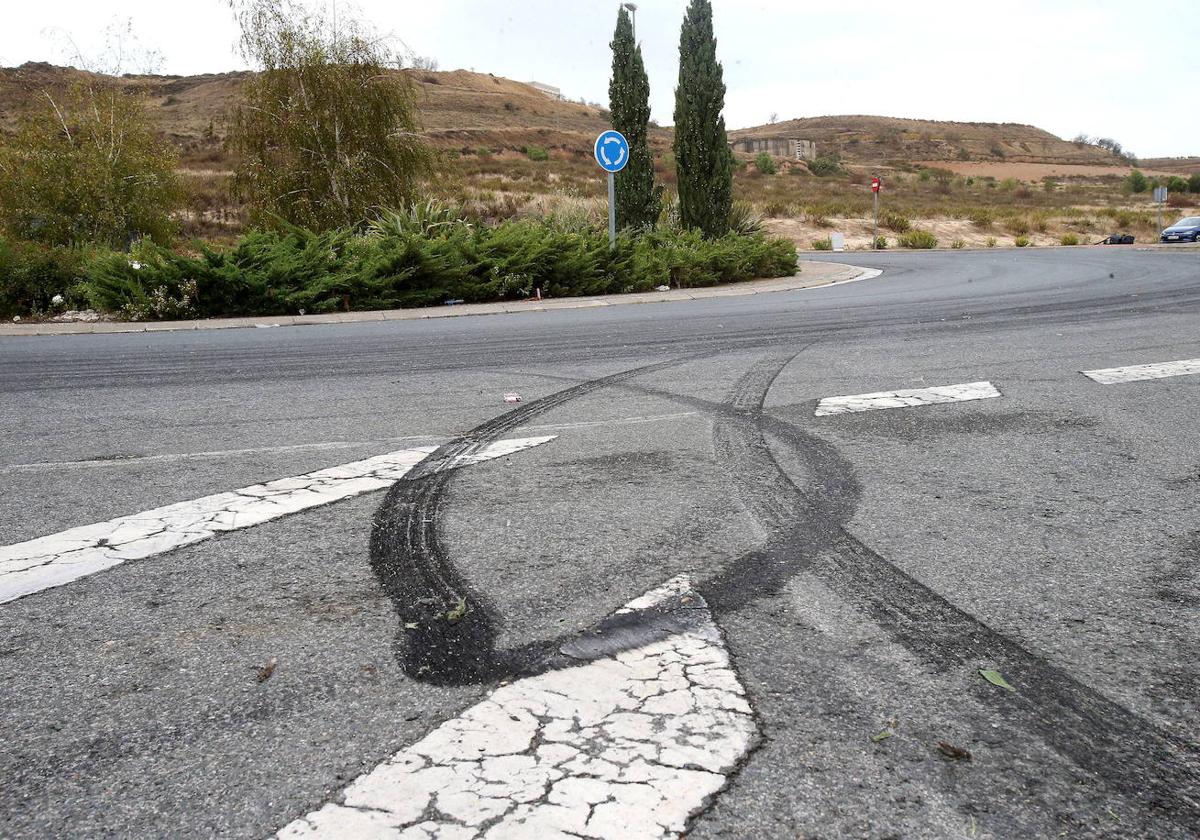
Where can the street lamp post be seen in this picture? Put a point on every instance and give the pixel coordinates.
(632, 7)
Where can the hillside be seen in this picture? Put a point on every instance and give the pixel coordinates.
(465, 110)
(880, 140)
(1178, 165)
(458, 108)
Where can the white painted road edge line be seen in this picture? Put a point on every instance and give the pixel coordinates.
(625, 747)
(907, 398)
(58, 559)
(1138, 373)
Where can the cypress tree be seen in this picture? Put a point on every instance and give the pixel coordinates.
(703, 159)
(629, 102)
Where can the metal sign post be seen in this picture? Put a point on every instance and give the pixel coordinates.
(1160, 196)
(612, 153)
(876, 186)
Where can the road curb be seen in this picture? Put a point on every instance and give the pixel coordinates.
(812, 275)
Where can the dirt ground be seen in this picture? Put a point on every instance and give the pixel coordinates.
(858, 233)
(1032, 171)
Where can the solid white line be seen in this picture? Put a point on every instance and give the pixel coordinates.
(57, 559)
(1138, 373)
(624, 747)
(907, 398)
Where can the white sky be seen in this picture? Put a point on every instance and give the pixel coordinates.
(1103, 67)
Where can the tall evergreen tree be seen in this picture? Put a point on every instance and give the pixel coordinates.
(703, 159)
(629, 102)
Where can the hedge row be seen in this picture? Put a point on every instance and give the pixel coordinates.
(390, 266)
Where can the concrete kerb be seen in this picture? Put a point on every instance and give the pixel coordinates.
(812, 275)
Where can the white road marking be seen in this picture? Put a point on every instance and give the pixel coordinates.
(907, 398)
(1138, 373)
(624, 747)
(58, 559)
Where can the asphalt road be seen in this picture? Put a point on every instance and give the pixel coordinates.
(862, 568)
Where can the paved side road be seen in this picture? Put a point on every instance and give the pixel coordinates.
(908, 557)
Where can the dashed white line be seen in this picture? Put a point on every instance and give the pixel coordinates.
(58, 559)
(907, 398)
(1139, 373)
(626, 747)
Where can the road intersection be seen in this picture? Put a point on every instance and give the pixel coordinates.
(861, 501)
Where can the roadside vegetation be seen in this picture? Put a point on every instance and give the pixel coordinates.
(341, 204)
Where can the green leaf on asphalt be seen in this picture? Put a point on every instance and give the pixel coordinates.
(412, 626)
(883, 736)
(995, 679)
(458, 613)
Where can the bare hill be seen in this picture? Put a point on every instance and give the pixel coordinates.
(458, 108)
(1179, 165)
(876, 140)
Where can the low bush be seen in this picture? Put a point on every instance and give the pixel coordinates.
(991, 242)
(1137, 182)
(1069, 239)
(981, 217)
(958, 244)
(400, 262)
(1021, 241)
(881, 243)
(824, 167)
(1017, 225)
(918, 239)
(895, 221)
(32, 275)
(537, 153)
(825, 244)
(1194, 183)
(765, 164)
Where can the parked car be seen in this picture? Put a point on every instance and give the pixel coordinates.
(1185, 230)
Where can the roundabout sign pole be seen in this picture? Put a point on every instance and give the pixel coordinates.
(612, 153)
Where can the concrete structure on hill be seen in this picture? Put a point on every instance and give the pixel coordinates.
(778, 146)
(549, 90)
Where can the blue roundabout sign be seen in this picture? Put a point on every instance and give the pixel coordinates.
(612, 151)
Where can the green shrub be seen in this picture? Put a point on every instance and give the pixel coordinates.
(31, 275)
(1137, 182)
(881, 243)
(1194, 183)
(824, 167)
(895, 221)
(1069, 239)
(1175, 184)
(825, 244)
(538, 154)
(744, 219)
(991, 242)
(765, 163)
(419, 258)
(921, 239)
(1021, 241)
(1017, 225)
(958, 244)
(981, 217)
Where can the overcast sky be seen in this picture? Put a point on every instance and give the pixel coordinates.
(1103, 67)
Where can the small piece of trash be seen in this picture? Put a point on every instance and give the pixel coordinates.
(412, 625)
(952, 752)
(16, 319)
(512, 397)
(268, 668)
(662, 288)
(265, 326)
(996, 679)
(454, 302)
(883, 736)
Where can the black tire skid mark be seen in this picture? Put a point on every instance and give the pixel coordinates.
(448, 632)
(807, 531)
(1131, 754)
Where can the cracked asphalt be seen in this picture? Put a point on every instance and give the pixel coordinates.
(860, 569)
